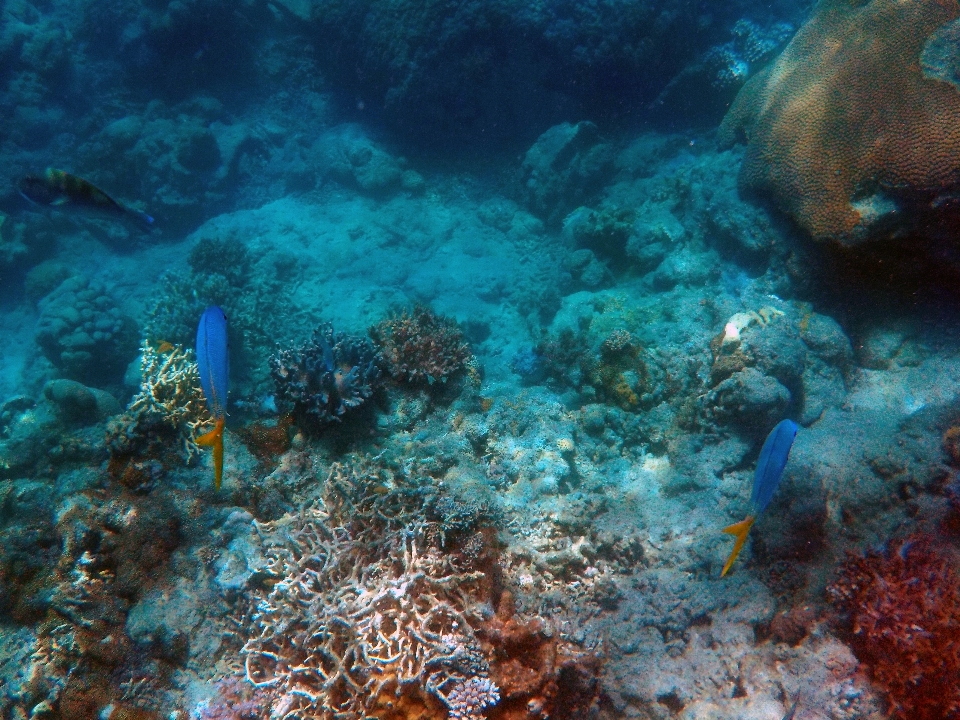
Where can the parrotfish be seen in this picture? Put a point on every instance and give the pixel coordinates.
(214, 364)
(56, 188)
(773, 459)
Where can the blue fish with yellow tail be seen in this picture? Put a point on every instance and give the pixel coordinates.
(773, 459)
(56, 188)
(214, 362)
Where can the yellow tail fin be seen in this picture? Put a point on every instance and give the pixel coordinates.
(740, 530)
(215, 438)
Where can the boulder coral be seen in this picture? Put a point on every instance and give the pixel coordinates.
(854, 130)
(83, 334)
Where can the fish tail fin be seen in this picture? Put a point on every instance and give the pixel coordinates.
(740, 531)
(146, 220)
(214, 438)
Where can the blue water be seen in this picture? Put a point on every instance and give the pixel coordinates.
(514, 294)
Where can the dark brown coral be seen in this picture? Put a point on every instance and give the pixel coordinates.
(420, 347)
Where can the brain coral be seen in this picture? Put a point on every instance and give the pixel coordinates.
(858, 120)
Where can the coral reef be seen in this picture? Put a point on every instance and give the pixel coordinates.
(547, 60)
(854, 144)
(83, 334)
(324, 379)
(170, 406)
(901, 611)
(420, 347)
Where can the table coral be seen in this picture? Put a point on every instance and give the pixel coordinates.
(902, 611)
(420, 347)
(848, 126)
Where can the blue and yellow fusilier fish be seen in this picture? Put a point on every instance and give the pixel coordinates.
(56, 188)
(773, 459)
(214, 364)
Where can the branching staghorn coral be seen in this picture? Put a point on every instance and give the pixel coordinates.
(170, 396)
(367, 616)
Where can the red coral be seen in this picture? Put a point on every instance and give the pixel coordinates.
(902, 610)
(421, 347)
(539, 675)
(236, 699)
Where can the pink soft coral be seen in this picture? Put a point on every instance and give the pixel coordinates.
(902, 611)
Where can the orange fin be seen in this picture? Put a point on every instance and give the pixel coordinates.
(740, 530)
(215, 438)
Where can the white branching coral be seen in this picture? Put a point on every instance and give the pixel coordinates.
(359, 624)
(170, 392)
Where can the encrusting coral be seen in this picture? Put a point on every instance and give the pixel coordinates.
(170, 401)
(421, 347)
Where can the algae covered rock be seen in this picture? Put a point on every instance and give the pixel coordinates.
(750, 399)
(655, 233)
(78, 403)
(350, 156)
(563, 168)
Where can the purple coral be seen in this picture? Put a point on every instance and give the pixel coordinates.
(469, 698)
(320, 381)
